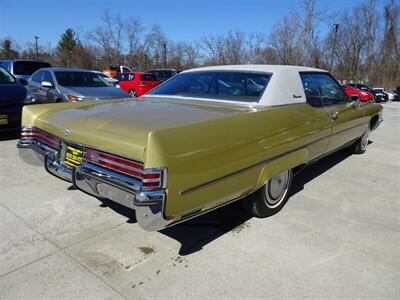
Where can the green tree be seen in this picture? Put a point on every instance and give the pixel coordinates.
(6, 49)
(66, 48)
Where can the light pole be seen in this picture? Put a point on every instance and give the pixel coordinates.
(37, 48)
(335, 28)
(165, 53)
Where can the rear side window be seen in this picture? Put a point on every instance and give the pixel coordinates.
(148, 77)
(219, 85)
(28, 67)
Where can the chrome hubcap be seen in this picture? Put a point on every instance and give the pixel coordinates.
(365, 139)
(276, 189)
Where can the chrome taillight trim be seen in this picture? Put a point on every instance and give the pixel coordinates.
(30, 133)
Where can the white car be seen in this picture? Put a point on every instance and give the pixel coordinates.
(383, 92)
(108, 79)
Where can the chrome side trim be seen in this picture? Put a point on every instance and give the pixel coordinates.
(265, 161)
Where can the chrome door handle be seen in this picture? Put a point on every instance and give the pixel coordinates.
(334, 116)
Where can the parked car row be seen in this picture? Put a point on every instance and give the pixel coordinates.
(379, 94)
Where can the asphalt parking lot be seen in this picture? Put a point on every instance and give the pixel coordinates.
(337, 237)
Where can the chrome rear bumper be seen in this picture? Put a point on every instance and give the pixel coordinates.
(102, 183)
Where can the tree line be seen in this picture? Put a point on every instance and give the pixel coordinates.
(359, 45)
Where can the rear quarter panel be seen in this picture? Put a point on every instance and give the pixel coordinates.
(213, 150)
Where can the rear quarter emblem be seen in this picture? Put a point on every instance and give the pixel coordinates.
(66, 132)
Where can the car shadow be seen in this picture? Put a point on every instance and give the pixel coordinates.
(316, 169)
(196, 233)
(9, 135)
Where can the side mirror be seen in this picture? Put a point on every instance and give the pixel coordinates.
(355, 98)
(47, 84)
(23, 81)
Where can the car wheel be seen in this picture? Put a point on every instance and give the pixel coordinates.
(360, 146)
(270, 199)
(133, 93)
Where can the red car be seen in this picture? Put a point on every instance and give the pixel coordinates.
(137, 83)
(364, 96)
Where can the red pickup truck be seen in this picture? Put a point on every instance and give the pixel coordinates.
(137, 83)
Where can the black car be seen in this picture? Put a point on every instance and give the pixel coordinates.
(163, 74)
(378, 95)
(396, 92)
(13, 96)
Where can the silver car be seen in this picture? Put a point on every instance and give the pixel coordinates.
(22, 69)
(51, 85)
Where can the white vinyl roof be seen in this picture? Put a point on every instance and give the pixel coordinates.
(285, 86)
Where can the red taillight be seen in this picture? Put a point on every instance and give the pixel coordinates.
(149, 178)
(32, 133)
(150, 185)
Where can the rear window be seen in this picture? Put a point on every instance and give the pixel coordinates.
(125, 77)
(28, 67)
(163, 75)
(219, 85)
(148, 77)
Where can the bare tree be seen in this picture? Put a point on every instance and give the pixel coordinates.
(390, 58)
(285, 41)
(133, 30)
(109, 37)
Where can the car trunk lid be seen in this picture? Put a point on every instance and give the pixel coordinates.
(123, 127)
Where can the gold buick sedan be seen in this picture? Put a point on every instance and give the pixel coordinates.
(200, 140)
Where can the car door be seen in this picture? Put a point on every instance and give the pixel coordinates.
(347, 117)
(321, 120)
(35, 83)
(50, 94)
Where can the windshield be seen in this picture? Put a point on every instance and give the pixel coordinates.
(6, 64)
(219, 85)
(6, 77)
(86, 79)
(28, 67)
